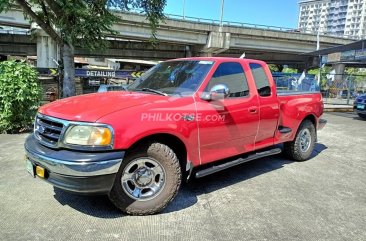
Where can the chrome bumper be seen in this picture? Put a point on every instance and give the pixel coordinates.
(73, 163)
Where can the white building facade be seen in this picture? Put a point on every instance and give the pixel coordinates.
(334, 17)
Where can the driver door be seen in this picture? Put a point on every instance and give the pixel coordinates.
(227, 127)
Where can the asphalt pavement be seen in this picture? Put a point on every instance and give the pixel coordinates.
(323, 198)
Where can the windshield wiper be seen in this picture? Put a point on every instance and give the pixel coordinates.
(154, 91)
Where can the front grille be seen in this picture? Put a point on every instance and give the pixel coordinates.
(47, 130)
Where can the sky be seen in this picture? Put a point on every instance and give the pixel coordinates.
(281, 13)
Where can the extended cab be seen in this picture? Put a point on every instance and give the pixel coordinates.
(183, 118)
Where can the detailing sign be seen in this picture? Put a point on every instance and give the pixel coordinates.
(106, 73)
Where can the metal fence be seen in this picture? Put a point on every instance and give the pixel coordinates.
(342, 89)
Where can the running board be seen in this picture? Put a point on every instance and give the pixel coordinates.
(213, 169)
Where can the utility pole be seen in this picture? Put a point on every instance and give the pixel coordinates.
(184, 6)
(319, 58)
(222, 12)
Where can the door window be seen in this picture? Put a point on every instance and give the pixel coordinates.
(232, 75)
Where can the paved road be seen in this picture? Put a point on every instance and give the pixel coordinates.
(270, 199)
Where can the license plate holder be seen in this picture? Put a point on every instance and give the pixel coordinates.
(30, 167)
(360, 106)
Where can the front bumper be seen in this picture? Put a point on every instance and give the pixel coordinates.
(75, 171)
(359, 111)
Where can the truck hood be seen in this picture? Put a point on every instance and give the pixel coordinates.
(91, 107)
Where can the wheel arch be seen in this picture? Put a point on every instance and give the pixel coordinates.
(312, 118)
(175, 143)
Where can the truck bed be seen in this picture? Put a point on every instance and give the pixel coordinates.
(295, 106)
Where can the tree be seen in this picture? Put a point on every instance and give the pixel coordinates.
(83, 23)
(356, 78)
(275, 67)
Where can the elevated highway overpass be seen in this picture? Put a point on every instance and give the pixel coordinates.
(178, 38)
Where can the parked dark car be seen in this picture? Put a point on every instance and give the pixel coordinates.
(360, 106)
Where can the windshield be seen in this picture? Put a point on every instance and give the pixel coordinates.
(173, 77)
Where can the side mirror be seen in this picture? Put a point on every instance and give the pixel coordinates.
(217, 92)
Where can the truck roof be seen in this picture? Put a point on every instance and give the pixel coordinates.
(220, 59)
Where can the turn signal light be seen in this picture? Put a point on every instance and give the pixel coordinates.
(40, 171)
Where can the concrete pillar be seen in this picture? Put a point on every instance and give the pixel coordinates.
(217, 42)
(187, 51)
(339, 71)
(203, 54)
(47, 50)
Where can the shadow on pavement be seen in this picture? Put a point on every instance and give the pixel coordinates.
(101, 207)
(95, 205)
(359, 118)
(318, 148)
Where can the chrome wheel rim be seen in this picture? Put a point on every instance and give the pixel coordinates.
(305, 140)
(143, 179)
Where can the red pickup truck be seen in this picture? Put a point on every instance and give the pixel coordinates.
(183, 118)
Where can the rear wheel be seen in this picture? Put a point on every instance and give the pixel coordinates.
(363, 116)
(301, 148)
(147, 181)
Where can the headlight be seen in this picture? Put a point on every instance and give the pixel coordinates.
(88, 135)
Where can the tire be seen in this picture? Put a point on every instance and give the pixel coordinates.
(363, 116)
(299, 149)
(147, 181)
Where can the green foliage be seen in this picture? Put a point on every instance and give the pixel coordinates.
(20, 95)
(152, 8)
(85, 23)
(323, 75)
(80, 23)
(314, 71)
(273, 68)
(356, 76)
(5, 5)
(289, 71)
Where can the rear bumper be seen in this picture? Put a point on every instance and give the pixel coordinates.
(321, 123)
(75, 171)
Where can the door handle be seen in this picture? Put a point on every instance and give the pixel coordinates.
(253, 110)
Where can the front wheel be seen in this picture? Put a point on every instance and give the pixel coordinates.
(301, 148)
(147, 181)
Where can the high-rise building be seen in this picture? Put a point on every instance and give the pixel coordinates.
(334, 17)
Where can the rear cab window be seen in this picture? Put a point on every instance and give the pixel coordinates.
(261, 80)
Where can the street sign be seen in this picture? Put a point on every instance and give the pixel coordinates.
(348, 55)
(360, 54)
(107, 73)
(334, 57)
(47, 71)
(119, 74)
(136, 74)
